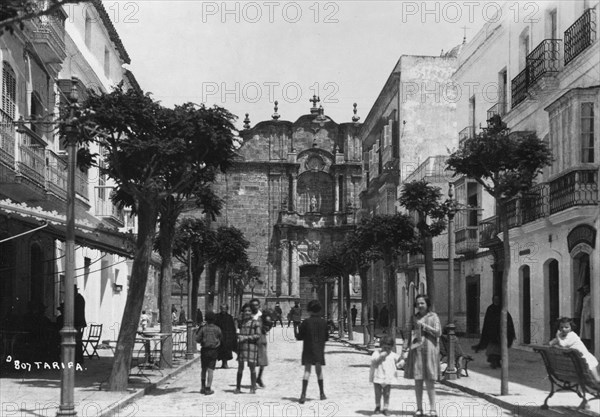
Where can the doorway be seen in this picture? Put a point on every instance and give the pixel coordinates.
(553, 304)
(526, 305)
(473, 305)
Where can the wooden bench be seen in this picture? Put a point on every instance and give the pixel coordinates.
(567, 370)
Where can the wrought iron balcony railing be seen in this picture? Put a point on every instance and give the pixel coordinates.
(544, 59)
(575, 188)
(580, 35)
(56, 174)
(488, 232)
(31, 161)
(498, 109)
(535, 204)
(49, 37)
(519, 86)
(7, 140)
(467, 133)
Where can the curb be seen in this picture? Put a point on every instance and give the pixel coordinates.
(118, 407)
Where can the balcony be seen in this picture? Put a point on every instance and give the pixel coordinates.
(467, 133)
(416, 259)
(534, 204)
(7, 140)
(498, 109)
(48, 36)
(467, 240)
(81, 183)
(519, 86)
(56, 174)
(543, 60)
(575, 188)
(105, 208)
(31, 162)
(580, 35)
(317, 220)
(488, 232)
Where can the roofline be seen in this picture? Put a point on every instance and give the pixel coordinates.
(112, 32)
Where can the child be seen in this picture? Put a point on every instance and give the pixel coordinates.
(247, 348)
(383, 372)
(263, 360)
(144, 320)
(566, 338)
(209, 336)
(313, 333)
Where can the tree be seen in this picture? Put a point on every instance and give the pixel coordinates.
(151, 153)
(243, 275)
(14, 12)
(230, 254)
(383, 238)
(425, 200)
(194, 245)
(506, 165)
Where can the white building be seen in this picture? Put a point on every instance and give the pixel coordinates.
(541, 74)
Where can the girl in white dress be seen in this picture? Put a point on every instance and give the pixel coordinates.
(383, 373)
(567, 338)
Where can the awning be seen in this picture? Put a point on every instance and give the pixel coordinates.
(89, 230)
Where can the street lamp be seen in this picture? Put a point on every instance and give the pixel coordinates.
(451, 372)
(68, 332)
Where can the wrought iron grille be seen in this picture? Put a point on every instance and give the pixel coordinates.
(466, 133)
(498, 109)
(519, 86)
(534, 204)
(575, 188)
(580, 35)
(544, 59)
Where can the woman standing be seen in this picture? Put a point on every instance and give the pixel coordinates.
(247, 348)
(423, 358)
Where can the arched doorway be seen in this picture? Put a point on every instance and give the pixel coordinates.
(552, 301)
(525, 313)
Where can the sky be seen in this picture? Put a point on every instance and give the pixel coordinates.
(245, 55)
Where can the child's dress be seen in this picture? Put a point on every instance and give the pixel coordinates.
(572, 341)
(383, 373)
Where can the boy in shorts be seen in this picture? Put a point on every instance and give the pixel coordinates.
(209, 336)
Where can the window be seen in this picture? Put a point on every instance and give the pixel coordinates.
(88, 30)
(551, 25)
(587, 132)
(9, 90)
(37, 112)
(502, 91)
(523, 49)
(106, 62)
(472, 117)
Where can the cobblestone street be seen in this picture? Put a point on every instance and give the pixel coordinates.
(346, 385)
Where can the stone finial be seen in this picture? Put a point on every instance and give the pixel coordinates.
(276, 115)
(355, 118)
(247, 121)
(314, 109)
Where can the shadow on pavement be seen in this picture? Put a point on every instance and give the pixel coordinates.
(391, 412)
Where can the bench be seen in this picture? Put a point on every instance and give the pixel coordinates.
(567, 370)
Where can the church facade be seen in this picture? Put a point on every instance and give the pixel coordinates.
(293, 192)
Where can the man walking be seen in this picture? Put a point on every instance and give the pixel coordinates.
(79, 323)
(296, 315)
(225, 322)
(277, 315)
(354, 313)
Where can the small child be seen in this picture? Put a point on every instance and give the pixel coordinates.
(313, 332)
(383, 372)
(209, 336)
(144, 320)
(263, 359)
(567, 338)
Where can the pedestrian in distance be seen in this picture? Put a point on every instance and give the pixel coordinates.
(255, 306)
(567, 338)
(209, 336)
(383, 373)
(144, 320)
(229, 343)
(354, 313)
(80, 324)
(313, 333)
(490, 334)
(247, 348)
(263, 360)
(422, 363)
(296, 316)
(277, 315)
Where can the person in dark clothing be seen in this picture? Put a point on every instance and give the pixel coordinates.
(354, 313)
(209, 336)
(296, 316)
(490, 334)
(384, 317)
(313, 332)
(79, 323)
(199, 318)
(225, 322)
(277, 314)
(182, 318)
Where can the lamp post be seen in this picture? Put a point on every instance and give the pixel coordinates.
(68, 332)
(451, 372)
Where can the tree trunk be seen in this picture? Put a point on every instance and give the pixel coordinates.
(364, 320)
(392, 302)
(429, 274)
(347, 299)
(167, 229)
(502, 215)
(211, 288)
(196, 274)
(147, 217)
